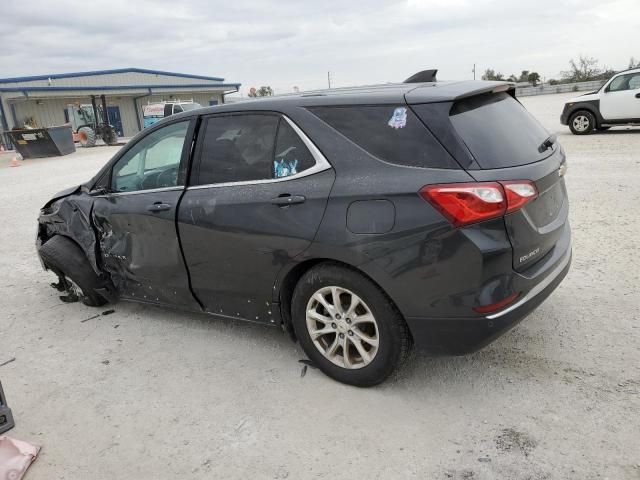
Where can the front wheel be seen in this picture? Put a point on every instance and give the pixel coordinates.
(67, 260)
(348, 326)
(582, 123)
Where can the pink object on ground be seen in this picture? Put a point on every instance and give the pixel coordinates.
(15, 457)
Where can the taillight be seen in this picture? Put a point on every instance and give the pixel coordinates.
(467, 203)
(518, 193)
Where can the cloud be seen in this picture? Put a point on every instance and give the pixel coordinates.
(285, 43)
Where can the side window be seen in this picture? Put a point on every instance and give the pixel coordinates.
(390, 132)
(177, 109)
(625, 82)
(237, 148)
(153, 162)
(291, 155)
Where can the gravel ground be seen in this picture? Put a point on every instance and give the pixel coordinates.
(148, 393)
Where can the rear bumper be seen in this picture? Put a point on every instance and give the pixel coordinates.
(458, 336)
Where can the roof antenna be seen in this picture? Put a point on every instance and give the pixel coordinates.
(423, 76)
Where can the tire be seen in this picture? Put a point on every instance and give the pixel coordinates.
(341, 327)
(582, 122)
(111, 137)
(65, 258)
(87, 137)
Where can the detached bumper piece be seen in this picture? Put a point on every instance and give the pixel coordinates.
(6, 417)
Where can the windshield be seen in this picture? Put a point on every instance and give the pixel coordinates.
(190, 106)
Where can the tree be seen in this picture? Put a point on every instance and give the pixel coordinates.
(533, 78)
(512, 78)
(633, 63)
(524, 76)
(490, 74)
(585, 69)
(264, 91)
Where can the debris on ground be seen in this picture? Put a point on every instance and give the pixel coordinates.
(15, 457)
(308, 363)
(13, 359)
(106, 312)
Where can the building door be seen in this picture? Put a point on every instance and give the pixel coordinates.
(113, 115)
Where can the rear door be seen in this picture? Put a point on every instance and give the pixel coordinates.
(258, 190)
(620, 100)
(506, 143)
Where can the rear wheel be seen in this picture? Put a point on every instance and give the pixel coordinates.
(61, 255)
(87, 137)
(582, 123)
(111, 136)
(348, 326)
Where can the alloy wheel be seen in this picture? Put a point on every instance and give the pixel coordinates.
(581, 123)
(342, 327)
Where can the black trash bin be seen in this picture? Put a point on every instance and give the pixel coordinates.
(6, 418)
(43, 142)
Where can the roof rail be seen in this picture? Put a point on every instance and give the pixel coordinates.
(423, 76)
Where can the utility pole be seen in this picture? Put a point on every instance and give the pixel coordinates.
(329, 79)
(474, 71)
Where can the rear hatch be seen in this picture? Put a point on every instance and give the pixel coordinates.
(502, 141)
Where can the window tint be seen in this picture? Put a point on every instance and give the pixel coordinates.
(391, 132)
(153, 162)
(291, 156)
(498, 130)
(634, 82)
(239, 148)
(177, 109)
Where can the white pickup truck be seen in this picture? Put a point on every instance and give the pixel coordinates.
(616, 103)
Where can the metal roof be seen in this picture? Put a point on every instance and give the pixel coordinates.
(54, 76)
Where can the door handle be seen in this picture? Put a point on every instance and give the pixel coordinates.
(159, 207)
(286, 199)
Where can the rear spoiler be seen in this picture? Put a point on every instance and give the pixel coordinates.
(447, 92)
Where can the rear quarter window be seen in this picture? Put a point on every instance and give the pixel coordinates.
(498, 130)
(389, 132)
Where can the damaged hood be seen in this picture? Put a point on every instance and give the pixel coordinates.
(63, 193)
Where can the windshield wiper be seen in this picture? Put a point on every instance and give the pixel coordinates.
(548, 143)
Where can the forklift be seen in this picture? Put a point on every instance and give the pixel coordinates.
(90, 122)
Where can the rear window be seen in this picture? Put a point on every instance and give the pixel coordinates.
(390, 132)
(498, 130)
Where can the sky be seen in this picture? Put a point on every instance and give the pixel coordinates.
(287, 44)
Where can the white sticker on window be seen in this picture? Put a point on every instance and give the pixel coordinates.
(399, 118)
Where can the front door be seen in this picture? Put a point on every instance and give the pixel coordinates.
(135, 220)
(113, 116)
(258, 191)
(621, 98)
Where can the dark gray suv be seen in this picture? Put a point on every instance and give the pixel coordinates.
(360, 220)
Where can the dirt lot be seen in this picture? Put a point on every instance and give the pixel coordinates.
(147, 393)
